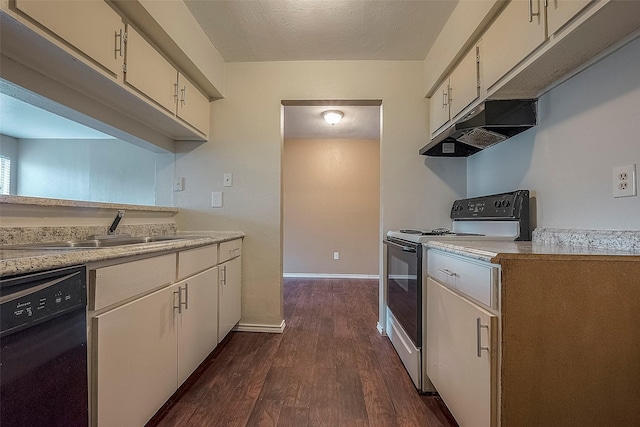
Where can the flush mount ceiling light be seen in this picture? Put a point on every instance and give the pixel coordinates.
(332, 116)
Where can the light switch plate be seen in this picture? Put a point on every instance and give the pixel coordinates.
(216, 199)
(178, 184)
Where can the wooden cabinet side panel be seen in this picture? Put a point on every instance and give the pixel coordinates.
(149, 72)
(511, 38)
(198, 322)
(135, 347)
(570, 342)
(89, 26)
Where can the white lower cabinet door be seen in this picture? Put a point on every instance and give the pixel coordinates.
(136, 359)
(230, 296)
(197, 321)
(461, 355)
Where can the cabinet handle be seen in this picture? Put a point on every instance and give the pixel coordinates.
(186, 296)
(179, 293)
(175, 91)
(184, 96)
(119, 39)
(531, 14)
(479, 327)
(449, 95)
(224, 275)
(445, 101)
(447, 272)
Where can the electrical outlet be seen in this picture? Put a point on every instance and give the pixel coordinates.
(336, 255)
(216, 199)
(228, 180)
(624, 181)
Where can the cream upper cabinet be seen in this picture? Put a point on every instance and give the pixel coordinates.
(457, 91)
(90, 26)
(463, 83)
(560, 12)
(515, 33)
(149, 72)
(197, 321)
(461, 355)
(193, 106)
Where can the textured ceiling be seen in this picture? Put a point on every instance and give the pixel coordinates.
(298, 30)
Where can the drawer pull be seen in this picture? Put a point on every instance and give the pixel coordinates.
(447, 272)
(179, 293)
(479, 327)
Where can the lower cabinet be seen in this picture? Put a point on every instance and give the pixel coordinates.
(461, 355)
(144, 350)
(230, 296)
(135, 351)
(197, 321)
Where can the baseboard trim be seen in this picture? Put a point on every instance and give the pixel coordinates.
(330, 276)
(255, 327)
(381, 329)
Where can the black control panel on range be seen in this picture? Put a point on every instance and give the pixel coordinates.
(512, 206)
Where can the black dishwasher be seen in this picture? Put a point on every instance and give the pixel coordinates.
(43, 349)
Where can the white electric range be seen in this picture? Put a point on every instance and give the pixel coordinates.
(503, 216)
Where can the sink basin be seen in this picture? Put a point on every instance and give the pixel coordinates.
(98, 243)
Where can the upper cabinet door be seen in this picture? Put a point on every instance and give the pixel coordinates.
(463, 83)
(90, 26)
(193, 106)
(149, 72)
(560, 12)
(439, 107)
(515, 33)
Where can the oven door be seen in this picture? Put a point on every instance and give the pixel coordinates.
(404, 286)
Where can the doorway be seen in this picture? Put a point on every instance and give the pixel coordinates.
(331, 189)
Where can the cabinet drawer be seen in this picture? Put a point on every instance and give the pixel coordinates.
(195, 260)
(473, 278)
(230, 249)
(115, 283)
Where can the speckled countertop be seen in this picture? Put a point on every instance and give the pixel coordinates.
(25, 261)
(495, 250)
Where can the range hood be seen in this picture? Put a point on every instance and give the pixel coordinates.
(489, 123)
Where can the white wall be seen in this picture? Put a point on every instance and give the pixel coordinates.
(246, 141)
(587, 126)
(106, 170)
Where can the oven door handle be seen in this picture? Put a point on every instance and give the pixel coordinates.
(404, 248)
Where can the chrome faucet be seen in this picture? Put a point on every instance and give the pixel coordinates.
(116, 221)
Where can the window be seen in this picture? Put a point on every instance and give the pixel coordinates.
(5, 175)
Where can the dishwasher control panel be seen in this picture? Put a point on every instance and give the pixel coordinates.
(31, 298)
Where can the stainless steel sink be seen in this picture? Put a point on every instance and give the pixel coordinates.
(97, 243)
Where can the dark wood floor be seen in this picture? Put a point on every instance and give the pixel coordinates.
(329, 368)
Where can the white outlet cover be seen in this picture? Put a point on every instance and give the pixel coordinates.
(228, 180)
(216, 199)
(624, 181)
